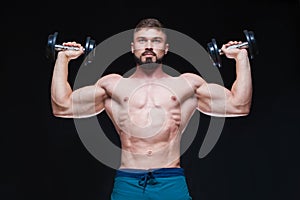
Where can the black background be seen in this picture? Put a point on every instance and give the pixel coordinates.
(256, 156)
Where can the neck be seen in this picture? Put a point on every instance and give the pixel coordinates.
(149, 72)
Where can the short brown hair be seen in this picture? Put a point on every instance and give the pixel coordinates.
(149, 23)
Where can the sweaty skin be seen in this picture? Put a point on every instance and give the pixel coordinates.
(150, 109)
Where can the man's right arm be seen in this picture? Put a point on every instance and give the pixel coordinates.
(83, 102)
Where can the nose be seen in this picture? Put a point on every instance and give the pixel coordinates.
(148, 49)
(149, 44)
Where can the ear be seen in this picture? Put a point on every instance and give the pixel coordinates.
(166, 48)
(132, 48)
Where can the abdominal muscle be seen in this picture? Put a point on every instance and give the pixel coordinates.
(150, 136)
(161, 149)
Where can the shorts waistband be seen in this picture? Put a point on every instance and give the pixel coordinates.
(146, 177)
(157, 173)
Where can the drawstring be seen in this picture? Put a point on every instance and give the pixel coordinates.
(147, 178)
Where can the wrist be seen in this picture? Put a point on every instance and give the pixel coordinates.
(242, 55)
(62, 57)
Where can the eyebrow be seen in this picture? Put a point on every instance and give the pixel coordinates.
(139, 37)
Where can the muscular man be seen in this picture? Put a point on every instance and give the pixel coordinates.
(150, 110)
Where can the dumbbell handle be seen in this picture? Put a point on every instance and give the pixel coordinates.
(242, 45)
(59, 47)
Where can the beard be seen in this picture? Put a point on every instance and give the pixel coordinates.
(148, 63)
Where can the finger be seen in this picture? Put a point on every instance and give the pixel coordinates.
(74, 44)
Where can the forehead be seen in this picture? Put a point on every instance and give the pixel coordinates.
(149, 33)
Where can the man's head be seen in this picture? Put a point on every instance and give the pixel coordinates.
(149, 42)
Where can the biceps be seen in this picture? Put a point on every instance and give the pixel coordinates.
(212, 98)
(89, 99)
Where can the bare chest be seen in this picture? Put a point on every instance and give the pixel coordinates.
(149, 96)
(151, 109)
(162, 94)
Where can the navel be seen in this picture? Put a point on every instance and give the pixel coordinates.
(173, 98)
(149, 153)
(125, 99)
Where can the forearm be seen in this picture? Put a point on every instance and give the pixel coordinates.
(60, 87)
(242, 87)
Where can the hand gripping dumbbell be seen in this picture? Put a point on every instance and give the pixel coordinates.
(215, 53)
(52, 48)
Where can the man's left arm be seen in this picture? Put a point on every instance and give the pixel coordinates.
(216, 100)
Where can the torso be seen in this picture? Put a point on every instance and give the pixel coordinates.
(150, 117)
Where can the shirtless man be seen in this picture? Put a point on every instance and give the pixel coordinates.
(150, 110)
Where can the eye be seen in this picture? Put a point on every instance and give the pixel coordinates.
(142, 40)
(156, 41)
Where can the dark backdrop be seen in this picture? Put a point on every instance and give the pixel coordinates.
(256, 156)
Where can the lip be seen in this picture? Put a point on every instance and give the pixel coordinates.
(148, 53)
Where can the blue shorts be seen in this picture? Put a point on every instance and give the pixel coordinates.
(164, 183)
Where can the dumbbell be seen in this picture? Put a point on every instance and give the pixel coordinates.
(215, 53)
(52, 47)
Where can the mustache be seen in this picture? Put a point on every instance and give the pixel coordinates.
(148, 51)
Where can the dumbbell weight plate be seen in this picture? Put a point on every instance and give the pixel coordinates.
(50, 49)
(214, 53)
(89, 49)
(252, 45)
(89, 45)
